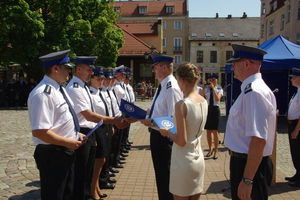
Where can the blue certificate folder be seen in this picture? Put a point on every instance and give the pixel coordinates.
(162, 122)
(132, 110)
(92, 131)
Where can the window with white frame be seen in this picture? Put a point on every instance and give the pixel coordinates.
(164, 42)
(177, 44)
(164, 25)
(263, 8)
(143, 10)
(282, 22)
(177, 59)
(288, 14)
(169, 9)
(177, 25)
(271, 27)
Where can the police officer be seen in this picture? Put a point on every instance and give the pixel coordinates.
(250, 127)
(294, 128)
(80, 94)
(55, 128)
(165, 98)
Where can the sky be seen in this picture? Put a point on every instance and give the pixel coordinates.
(209, 8)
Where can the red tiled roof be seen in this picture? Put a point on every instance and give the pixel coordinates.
(133, 46)
(149, 28)
(131, 8)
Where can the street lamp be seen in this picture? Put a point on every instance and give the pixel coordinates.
(153, 48)
(146, 54)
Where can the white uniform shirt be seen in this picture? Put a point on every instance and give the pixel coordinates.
(294, 107)
(130, 93)
(120, 91)
(81, 99)
(115, 104)
(97, 101)
(169, 95)
(218, 90)
(252, 114)
(107, 100)
(48, 109)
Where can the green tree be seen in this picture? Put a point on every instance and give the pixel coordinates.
(33, 28)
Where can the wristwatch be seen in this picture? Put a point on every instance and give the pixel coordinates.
(247, 181)
(152, 124)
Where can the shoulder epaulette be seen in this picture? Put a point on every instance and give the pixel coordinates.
(47, 89)
(75, 85)
(248, 88)
(169, 84)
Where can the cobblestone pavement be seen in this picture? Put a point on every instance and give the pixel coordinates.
(19, 178)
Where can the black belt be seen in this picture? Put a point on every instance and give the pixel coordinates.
(52, 146)
(295, 121)
(152, 130)
(237, 155)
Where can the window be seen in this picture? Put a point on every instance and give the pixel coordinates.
(142, 10)
(263, 8)
(228, 54)
(169, 9)
(213, 57)
(145, 70)
(282, 22)
(262, 34)
(288, 15)
(271, 27)
(221, 34)
(164, 25)
(207, 34)
(275, 5)
(298, 10)
(234, 34)
(177, 25)
(164, 42)
(177, 59)
(194, 34)
(199, 56)
(117, 9)
(177, 44)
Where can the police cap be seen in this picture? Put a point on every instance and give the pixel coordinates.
(160, 58)
(89, 60)
(296, 72)
(98, 71)
(242, 52)
(57, 58)
(121, 69)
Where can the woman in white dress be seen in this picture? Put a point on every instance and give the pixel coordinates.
(187, 161)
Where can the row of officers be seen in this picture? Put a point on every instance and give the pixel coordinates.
(70, 166)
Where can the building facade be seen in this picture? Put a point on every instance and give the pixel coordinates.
(280, 17)
(211, 39)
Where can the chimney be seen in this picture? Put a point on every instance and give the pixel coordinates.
(244, 15)
(229, 16)
(217, 15)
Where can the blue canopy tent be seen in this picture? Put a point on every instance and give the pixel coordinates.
(282, 56)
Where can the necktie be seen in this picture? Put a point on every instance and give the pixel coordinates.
(112, 108)
(75, 119)
(87, 90)
(211, 98)
(156, 95)
(106, 108)
(116, 97)
(128, 94)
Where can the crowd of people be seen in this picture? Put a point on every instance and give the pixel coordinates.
(73, 167)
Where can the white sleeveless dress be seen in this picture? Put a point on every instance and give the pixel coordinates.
(187, 163)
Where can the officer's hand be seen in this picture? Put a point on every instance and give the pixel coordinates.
(294, 134)
(120, 123)
(146, 122)
(244, 191)
(113, 131)
(164, 131)
(74, 144)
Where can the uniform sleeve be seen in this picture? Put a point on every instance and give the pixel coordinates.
(173, 96)
(79, 100)
(41, 113)
(256, 111)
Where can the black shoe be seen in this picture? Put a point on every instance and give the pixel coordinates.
(292, 179)
(107, 186)
(113, 170)
(111, 174)
(118, 166)
(295, 184)
(122, 158)
(124, 151)
(111, 180)
(127, 147)
(103, 195)
(129, 142)
(124, 154)
(122, 162)
(215, 157)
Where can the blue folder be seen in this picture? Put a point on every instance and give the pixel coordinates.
(92, 131)
(162, 122)
(132, 110)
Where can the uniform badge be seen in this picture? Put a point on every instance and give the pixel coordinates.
(75, 85)
(129, 108)
(248, 88)
(47, 89)
(169, 84)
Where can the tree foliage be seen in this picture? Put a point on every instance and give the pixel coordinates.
(31, 28)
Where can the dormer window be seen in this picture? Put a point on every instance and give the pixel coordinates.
(170, 9)
(142, 10)
(117, 9)
(207, 34)
(234, 34)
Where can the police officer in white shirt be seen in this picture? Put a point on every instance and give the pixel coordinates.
(164, 100)
(250, 129)
(55, 128)
(87, 116)
(129, 88)
(293, 116)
